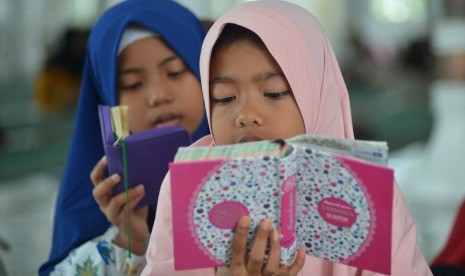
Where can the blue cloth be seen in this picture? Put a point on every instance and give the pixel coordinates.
(77, 216)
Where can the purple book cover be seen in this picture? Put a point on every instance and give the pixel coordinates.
(148, 155)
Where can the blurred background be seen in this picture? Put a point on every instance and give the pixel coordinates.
(403, 62)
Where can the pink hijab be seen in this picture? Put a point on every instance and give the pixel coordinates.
(298, 43)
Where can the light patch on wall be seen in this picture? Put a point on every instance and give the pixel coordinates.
(85, 12)
(399, 11)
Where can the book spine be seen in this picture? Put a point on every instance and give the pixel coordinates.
(288, 211)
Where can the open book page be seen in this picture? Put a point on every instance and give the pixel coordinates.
(254, 149)
(371, 151)
(120, 121)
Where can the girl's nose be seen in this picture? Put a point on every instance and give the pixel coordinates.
(158, 95)
(249, 115)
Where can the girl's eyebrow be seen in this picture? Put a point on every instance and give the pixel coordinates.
(257, 78)
(128, 71)
(167, 60)
(221, 80)
(136, 70)
(267, 75)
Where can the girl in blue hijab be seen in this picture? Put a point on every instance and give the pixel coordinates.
(144, 54)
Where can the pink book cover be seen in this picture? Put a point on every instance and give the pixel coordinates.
(339, 208)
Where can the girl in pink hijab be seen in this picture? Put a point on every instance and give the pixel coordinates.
(268, 72)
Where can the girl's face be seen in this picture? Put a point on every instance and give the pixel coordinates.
(250, 97)
(158, 87)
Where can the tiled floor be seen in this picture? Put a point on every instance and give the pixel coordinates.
(26, 211)
(31, 161)
(432, 195)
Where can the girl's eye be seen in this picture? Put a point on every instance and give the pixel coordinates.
(276, 95)
(224, 101)
(177, 74)
(132, 87)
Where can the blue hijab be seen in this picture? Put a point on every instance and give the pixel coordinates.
(78, 218)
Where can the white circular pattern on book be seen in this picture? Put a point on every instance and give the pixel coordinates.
(224, 197)
(336, 217)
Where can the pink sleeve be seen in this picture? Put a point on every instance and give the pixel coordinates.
(407, 258)
(160, 260)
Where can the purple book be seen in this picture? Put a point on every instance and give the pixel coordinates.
(148, 155)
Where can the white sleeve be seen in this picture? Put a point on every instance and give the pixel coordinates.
(100, 257)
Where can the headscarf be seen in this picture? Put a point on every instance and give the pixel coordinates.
(77, 215)
(299, 45)
(132, 34)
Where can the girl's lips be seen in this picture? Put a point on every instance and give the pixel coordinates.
(249, 138)
(166, 120)
(172, 122)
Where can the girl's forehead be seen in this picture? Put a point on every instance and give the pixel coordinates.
(244, 56)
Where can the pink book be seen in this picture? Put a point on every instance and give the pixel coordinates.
(332, 196)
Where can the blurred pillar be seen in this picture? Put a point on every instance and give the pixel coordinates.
(442, 182)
